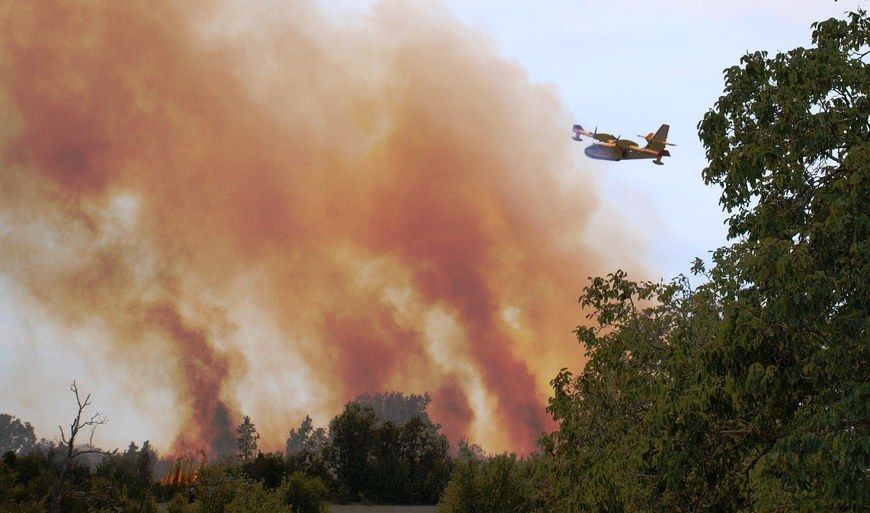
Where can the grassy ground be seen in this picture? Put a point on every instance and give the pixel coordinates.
(352, 508)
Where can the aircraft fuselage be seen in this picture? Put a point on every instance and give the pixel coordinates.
(607, 152)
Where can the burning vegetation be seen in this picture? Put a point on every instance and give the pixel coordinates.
(184, 471)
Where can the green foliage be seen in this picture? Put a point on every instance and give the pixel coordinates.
(252, 497)
(306, 449)
(494, 485)
(269, 469)
(397, 407)
(306, 439)
(750, 392)
(223, 488)
(377, 461)
(181, 504)
(126, 476)
(217, 485)
(789, 142)
(466, 450)
(352, 438)
(32, 473)
(15, 436)
(423, 458)
(11, 490)
(303, 494)
(247, 440)
(640, 359)
(25, 481)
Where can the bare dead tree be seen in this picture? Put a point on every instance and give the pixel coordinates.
(73, 452)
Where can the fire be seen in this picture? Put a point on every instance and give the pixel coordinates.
(184, 471)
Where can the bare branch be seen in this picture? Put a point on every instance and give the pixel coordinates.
(61, 487)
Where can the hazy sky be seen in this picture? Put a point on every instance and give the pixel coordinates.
(624, 67)
(628, 66)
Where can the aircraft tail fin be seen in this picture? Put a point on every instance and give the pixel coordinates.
(659, 140)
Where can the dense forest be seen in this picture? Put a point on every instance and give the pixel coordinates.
(746, 392)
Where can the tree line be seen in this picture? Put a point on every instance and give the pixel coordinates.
(381, 448)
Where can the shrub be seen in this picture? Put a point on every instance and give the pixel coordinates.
(252, 497)
(181, 504)
(303, 494)
(493, 485)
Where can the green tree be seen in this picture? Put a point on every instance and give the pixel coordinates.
(217, 485)
(466, 450)
(397, 407)
(303, 494)
(386, 474)
(789, 143)
(305, 439)
(15, 436)
(247, 440)
(750, 392)
(380, 461)
(306, 447)
(268, 469)
(180, 504)
(423, 452)
(352, 434)
(252, 497)
(494, 485)
(145, 463)
(124, 478)
(33, 474)
(644, 354)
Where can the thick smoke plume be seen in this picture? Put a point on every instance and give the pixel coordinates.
(371, 204)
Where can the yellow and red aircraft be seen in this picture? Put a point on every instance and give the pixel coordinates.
(607, 147)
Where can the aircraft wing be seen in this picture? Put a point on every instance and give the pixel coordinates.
(580, 131)
(598, 136)
(626, 144)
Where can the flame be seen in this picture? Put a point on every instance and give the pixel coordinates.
(184, 471)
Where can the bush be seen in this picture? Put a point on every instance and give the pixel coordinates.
(217, 485)
(252, 497)
(223, 488)
(181, 504)
(303, 494)
(268, 468)
(494, 485)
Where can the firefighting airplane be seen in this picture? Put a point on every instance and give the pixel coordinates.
(608, 147)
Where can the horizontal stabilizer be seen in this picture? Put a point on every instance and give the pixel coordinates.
(659, 140)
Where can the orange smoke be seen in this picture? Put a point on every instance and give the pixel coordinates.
(388, 195)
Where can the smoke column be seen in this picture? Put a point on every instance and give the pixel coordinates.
(372, 204)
